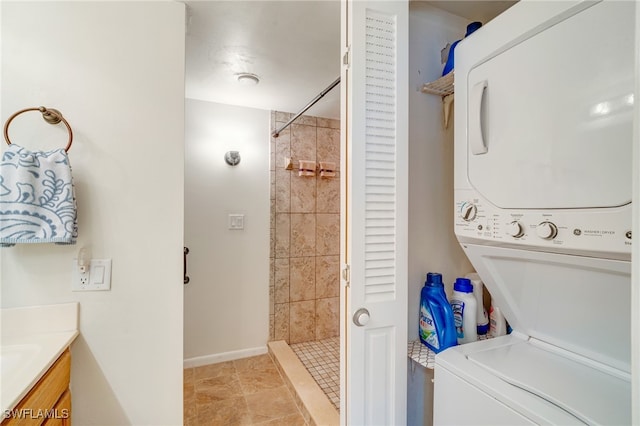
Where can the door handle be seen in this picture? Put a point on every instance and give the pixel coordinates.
(476, 140)
(361, 317)
(184, 268)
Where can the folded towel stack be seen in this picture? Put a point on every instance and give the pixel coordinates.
(37, 200)
(307, 168)
(327, 169)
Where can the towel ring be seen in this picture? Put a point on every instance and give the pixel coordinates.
(50, 115)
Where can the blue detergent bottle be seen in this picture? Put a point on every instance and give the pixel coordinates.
(437, 328)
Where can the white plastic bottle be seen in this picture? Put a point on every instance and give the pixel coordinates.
(464, 306)
(498, 324)
(482, 319)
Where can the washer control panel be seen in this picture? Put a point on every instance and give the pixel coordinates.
(591, 230)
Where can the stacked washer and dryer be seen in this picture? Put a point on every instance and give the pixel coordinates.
(543, 184)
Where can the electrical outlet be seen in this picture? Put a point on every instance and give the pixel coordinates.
(96, 275)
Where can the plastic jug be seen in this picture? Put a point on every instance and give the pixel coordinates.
(482, 319)
(437, 329)
(464, 306)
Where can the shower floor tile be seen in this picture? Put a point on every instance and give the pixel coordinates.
(322, 360)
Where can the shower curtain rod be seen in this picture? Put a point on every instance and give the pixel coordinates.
(276, 133)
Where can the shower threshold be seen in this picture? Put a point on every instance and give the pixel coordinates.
(313, 403)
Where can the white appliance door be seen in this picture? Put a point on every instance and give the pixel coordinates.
(580, 304)
(550, 117)
(375, 202)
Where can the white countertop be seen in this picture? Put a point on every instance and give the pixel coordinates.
(32, 339)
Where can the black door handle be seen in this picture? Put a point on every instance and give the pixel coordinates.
(186, 277)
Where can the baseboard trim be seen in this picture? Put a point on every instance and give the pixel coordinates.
(224, 356)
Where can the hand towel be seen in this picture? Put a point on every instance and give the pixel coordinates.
(307, 168)
(327, 169)
(37, 200)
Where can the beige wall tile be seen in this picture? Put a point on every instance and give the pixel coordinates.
(303, 194)
(303, 235)
(328, 122)
(328, 198)
(303, 143)
(282, 117)
(307, 120)
(283, 235)
(272, 300)
(272, 243)
(327, 317)
(283, 147)
(272, 327)
(272, 187)
(327, 276)
(283, 191)
(281, 290)
(328, 146)
(303, 278)
(281, 322)
(272, 214)
(272, 154)
(302, 321)
(328, 234)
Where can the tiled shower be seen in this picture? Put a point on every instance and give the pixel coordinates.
(305, 245)
(305, 232)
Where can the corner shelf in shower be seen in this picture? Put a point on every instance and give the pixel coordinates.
(442, 87)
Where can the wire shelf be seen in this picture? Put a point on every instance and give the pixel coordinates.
(442, 86)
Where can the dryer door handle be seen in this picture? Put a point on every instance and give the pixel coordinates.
(476, 139)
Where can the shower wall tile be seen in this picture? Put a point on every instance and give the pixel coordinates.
(302, 328)
(327, 276)
(272, 216)
(272, 270)
(281, 290)
(272, 154)
(329, 146)
(272, 243)
(272, 189)
(328, 234)
(303, 194)
(303, 235)
(307, 120)
(328, 195)
(303, 143)
(328, 122)
(281, 322)
(303, 277)
(283, 147)
(327, 317)
(282, 117)
(305, 232)
(283, 232)
(283, 191)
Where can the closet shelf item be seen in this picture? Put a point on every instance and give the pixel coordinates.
(442, 86)
(50, 115)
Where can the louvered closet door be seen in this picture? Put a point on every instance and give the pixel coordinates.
(375, 224)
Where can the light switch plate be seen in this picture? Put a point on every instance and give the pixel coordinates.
(97, 276)
(236, 221)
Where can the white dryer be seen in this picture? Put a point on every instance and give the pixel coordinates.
(543, 175)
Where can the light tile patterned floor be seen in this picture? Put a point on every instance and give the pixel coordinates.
(322, 360)
(247, 391)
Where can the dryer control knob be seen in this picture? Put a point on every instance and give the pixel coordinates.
(547, 230)
(515, 229)
(468, 212)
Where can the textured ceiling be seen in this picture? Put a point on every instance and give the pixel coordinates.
(293, 46)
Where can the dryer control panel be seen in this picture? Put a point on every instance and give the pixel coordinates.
(591, 232)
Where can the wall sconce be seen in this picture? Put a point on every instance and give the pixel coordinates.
(232, 158)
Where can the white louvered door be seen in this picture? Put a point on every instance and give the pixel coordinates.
(374, 237)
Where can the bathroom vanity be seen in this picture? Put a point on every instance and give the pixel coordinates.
(35, 364)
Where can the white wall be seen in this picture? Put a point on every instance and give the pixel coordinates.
(115, 70)
(227, 300)
(432, 243)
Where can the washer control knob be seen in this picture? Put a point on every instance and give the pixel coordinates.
(515, 229)
(468, 212)
(547, 230)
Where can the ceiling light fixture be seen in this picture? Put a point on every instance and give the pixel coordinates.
(248, 79)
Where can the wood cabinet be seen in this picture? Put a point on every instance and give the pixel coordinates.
(49, 401)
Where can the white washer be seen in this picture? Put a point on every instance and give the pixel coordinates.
(543, 142)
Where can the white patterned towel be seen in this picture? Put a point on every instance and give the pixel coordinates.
(37, 201)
